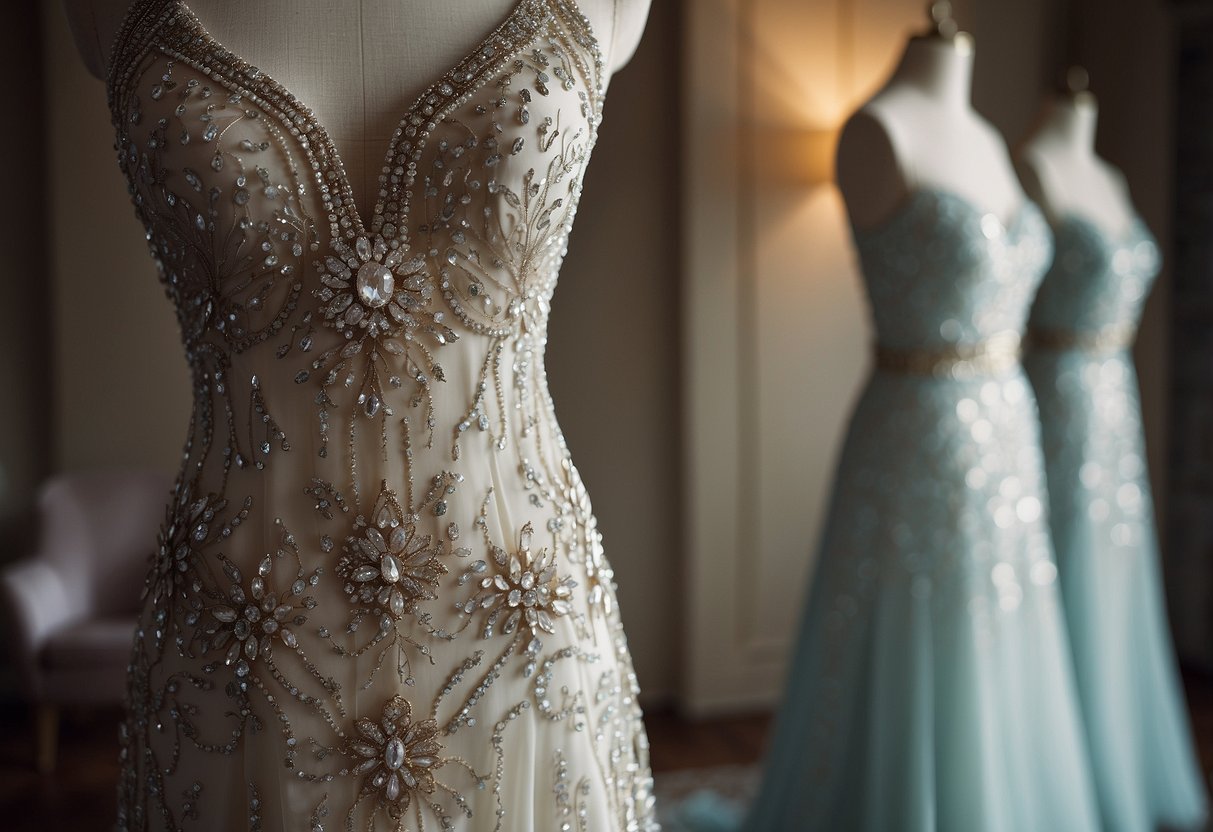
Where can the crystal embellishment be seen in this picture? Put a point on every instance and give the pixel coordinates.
(373, 290)
(396, 755)
(375, 284)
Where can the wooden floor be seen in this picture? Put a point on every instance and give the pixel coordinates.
(79, 796)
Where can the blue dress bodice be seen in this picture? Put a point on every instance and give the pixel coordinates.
(1098, 282)
(942, 272)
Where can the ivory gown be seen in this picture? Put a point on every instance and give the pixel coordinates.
(380, 600)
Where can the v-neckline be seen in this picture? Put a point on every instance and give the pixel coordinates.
(448, 88)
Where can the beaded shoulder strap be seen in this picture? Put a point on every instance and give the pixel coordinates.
(142, 19)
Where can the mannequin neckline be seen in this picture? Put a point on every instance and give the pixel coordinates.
(936, 68)
(1070, 123)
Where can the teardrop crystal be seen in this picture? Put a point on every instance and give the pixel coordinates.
(392, 789)
(390, 568)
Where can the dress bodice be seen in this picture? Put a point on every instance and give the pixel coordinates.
(276, 277)
(1098, 282)
(940, 273)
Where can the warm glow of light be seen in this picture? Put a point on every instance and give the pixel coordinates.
(810, 66)
(819, 150)
(800, 156)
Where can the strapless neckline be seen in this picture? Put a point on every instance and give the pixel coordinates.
(1009, 226)
(1072, 220)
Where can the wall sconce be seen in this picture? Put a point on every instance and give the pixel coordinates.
(803, 156)
(800, 157)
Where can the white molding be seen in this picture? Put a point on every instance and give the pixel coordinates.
(774, 338)
(727, 666)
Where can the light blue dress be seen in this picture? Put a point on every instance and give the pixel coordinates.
(1079, 363)
(931, 688)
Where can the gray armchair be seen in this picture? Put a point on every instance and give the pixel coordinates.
(73, 604)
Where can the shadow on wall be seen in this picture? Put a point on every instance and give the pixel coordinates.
(613, 345)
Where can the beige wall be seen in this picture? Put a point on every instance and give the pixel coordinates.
(612, 353)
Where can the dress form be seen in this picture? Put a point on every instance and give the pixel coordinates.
(362, 68)
(920, 131)
(1059, 169)
(412, 337)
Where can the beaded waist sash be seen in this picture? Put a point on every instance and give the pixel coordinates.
(994, 356)
(1109, 339)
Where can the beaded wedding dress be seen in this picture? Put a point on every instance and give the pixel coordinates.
(380, 600)
(931, 688)
(1082, 327)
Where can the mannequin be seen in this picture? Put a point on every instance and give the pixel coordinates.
(920, 131)
(1059, 169)
(357, 65)
(1084, 323)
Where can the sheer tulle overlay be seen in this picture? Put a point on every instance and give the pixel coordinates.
(380, 600)
(931, 687)
(1083, 321)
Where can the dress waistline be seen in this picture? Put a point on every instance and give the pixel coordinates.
(1109, 339)
(996, 355)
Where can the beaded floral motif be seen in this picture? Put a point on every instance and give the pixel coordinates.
(244, 621)
(526, 593)
(389, 569)
(397, 758)
(378, 299)
(388, 563)
(189, 525)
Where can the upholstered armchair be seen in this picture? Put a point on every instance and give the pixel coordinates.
(72, 605)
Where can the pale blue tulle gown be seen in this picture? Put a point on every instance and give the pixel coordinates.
(931, 689)
(1079, 363)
